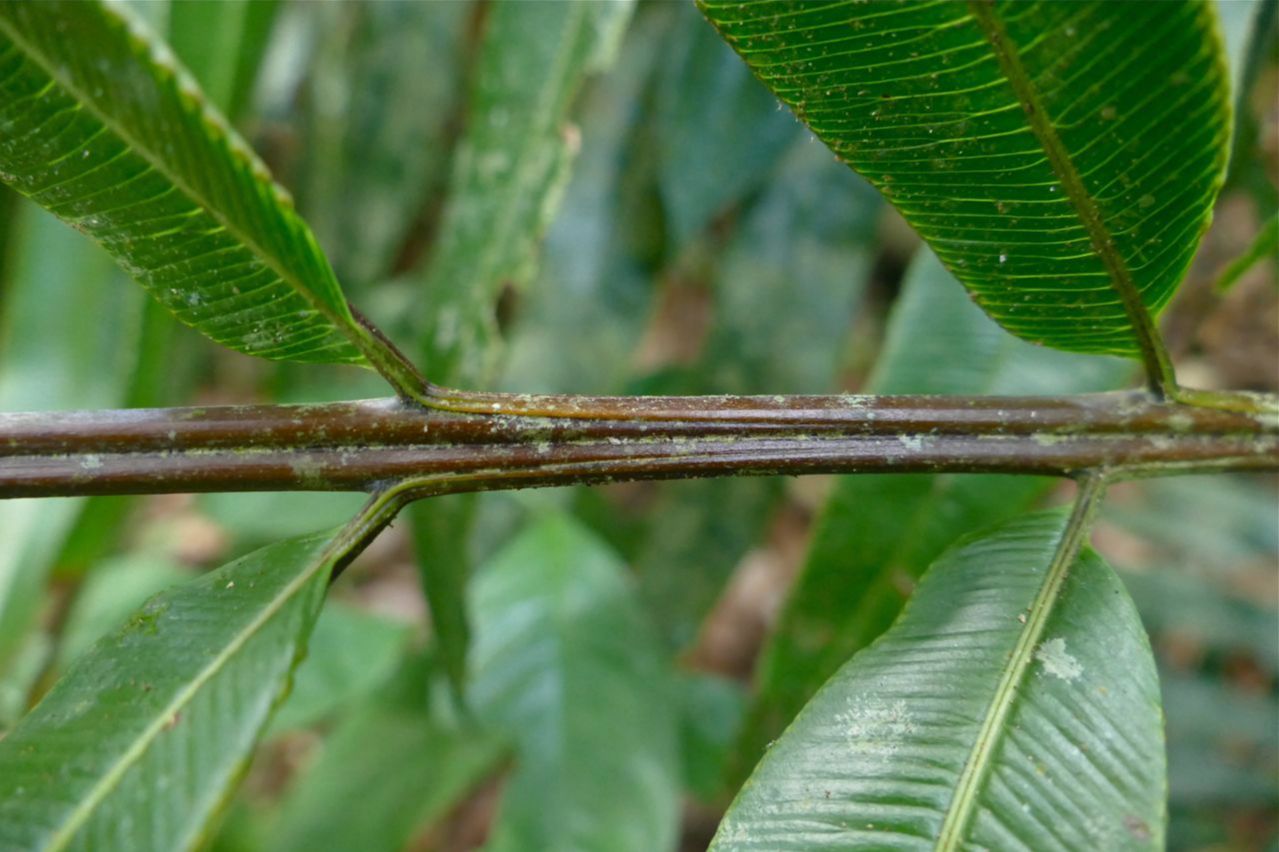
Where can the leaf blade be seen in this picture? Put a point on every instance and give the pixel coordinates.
(119, 142)
(120, 735)
(1006, 138)
(892, 735)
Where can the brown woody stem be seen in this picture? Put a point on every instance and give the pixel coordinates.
(496, 441)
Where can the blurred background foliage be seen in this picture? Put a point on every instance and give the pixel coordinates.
(597, 197)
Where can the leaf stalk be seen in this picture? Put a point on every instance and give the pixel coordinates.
(506, 441)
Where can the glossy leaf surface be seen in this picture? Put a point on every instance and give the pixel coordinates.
(109, 595)
(1061, 158)
(1014, 704)
(120, 143)
(160, 719)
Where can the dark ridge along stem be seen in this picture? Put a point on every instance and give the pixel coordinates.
(497, 441)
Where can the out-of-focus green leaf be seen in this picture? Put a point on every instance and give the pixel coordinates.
(350, 653)
(1255, 73)
(385, 774)
(117, 140)
(696, 534)
(440, 534)
(155, 13)
(877, 534)
(222, 43)
(509, 171)
(1061, 158)
(719, 131)
(579, 323)
(24, 668)
(1198, 611)
(1236, 19)
(257, 518)
(1014, 704)
(565, 664)
(1264, 247)
(1223, 748)
(711, 709)
(140, 743)
(381, 97)
(1203, 580)
(50, 358)
(1205, 524)
(793, 272)
(109, 595)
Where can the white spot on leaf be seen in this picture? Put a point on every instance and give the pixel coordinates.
(1056, 661)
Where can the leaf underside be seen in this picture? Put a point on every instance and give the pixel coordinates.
(140, 743)
(1060, 158)
(119, 142)
(878, 756)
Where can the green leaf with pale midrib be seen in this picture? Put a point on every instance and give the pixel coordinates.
(160, 719)
(102, 127)
(1061, 158)
(1014, 704)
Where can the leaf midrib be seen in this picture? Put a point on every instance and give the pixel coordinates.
(375, 515)
(134, 753)
(1154, 355)
(980, 760)
(345, 324)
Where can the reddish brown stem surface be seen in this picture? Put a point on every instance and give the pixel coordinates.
(493, 441)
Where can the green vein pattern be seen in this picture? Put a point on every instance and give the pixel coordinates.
(945, 715)
(139, 745)
(118, 142)
(1134, 101)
